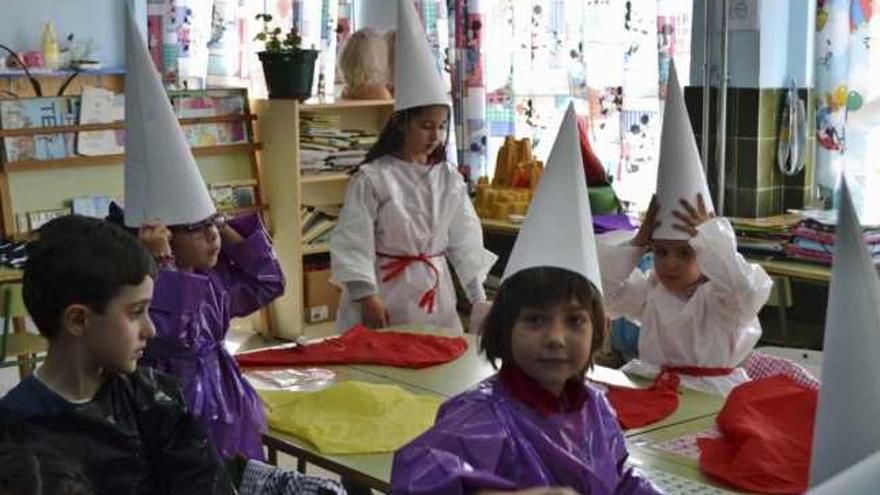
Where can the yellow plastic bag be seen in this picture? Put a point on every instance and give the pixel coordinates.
(351, 417)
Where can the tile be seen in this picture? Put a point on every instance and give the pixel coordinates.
(747, 113)
(769, 111)
(748, 204)
(746, 162)
(768, 171)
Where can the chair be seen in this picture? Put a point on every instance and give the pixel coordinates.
(19, 344)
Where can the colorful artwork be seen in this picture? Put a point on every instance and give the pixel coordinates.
(38, 112)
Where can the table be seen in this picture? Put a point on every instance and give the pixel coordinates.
(447, 380)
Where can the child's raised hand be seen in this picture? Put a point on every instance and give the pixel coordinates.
(692, 217)
(373, 312)
(643, 236)
(156, 237)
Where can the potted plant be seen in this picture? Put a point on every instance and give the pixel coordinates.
(288, 69)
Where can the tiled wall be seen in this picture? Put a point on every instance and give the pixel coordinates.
(754, 185)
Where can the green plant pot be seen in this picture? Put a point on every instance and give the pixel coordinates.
(289, 74)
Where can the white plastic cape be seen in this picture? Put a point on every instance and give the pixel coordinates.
(398, 208)
(716, 328)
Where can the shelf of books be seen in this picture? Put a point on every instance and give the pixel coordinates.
(51, 143)
(308, 152)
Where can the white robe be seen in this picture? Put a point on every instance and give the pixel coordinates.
(717, 327)
(401, 208)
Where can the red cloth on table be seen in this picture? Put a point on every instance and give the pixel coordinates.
(767, 427)
(360, 345)
(637, 407)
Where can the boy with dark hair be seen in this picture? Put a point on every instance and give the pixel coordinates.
(88, 286)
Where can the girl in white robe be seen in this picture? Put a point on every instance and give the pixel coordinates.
(406, 217)
(702, 313)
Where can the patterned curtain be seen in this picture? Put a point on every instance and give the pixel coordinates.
(847, 68)
(611, 57)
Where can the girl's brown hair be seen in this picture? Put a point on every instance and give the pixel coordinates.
(391, 138)
(539, 287)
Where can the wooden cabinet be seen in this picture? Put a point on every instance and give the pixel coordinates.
(288, 190)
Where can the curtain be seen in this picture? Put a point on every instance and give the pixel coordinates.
(847, 67)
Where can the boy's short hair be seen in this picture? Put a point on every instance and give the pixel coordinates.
(539, 287)
(80, 260)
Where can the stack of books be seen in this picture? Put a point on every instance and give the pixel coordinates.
(815, 236)
(325, 146)
(317, 226)
(766, 235)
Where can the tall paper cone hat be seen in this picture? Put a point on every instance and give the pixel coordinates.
(846, 428)
(417, 82)
(680, 172)
(861, 479)
(558, 229)
(162, 180)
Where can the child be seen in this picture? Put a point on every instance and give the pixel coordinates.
(212, 271)
(39, 470)
(698, 307)
(88, 287)
(407, 211)
(536, 423)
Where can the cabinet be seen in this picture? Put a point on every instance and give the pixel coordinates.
(288, 189)
(32, 185)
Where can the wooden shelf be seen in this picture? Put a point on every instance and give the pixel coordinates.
(89, 161)
(120, 125)
(339, 104)
(324, 177)
(315, 249)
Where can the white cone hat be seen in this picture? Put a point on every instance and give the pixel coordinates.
(558, 229)
(861, 479)
(846, 430)
(680, 172)
(416, 79)
(162, 180)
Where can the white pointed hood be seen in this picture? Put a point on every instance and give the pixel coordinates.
(861, 479)
(162, 180)
(846, 429)
(558, 229)
(416, 80)
(680, 172)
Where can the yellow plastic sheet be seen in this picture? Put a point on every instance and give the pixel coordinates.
(352, 417)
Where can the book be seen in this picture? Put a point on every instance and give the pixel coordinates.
(322, 226)
(212, 133)
(100, 106)
(37, 219)
(92, 206)
(28, 113)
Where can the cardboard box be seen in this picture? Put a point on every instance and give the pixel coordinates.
(321, 297)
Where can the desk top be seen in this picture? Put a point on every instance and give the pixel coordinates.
(799, 270)
(9, 275)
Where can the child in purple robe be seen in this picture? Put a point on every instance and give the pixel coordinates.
(535, 426)
(209, 273)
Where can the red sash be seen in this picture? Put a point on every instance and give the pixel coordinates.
(400, 262)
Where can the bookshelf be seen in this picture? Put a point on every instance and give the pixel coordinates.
(32, 185)
(287, 189)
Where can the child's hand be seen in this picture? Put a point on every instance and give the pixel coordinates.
(156, 237)
(643, 236)
(694, 217)
(373, 312)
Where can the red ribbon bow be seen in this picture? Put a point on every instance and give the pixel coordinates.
(399, 263)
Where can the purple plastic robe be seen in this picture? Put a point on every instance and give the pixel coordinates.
(484, 439)
(191, 311)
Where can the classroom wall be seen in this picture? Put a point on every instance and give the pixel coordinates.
(780, 47)
(100, 20)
